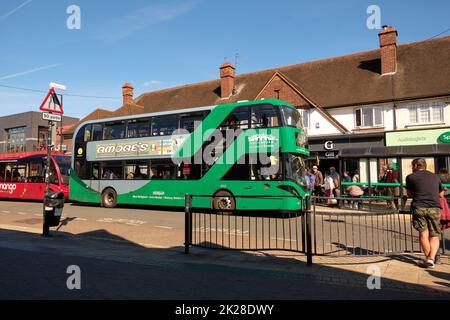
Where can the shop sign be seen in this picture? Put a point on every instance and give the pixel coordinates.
(445, 137)
(134, 148)
(328, 145)
(417, 137)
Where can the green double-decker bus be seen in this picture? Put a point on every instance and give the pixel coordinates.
(240, 156)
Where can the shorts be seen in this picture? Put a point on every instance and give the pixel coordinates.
(427, 219)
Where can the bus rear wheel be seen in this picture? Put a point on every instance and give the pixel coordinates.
(224, 200)
(109, 198)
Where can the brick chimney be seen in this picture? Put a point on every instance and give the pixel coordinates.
(388, 46)
(127, 93)
(226, 80)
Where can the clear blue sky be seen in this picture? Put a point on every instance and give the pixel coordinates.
(160, 44)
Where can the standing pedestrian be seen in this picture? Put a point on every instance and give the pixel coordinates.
(425, 189)
(318, 181)
(312, 180)
(346, 177)
(392, 192)
(336, 181)
(445, 180)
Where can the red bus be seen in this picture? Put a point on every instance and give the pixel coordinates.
(22, 175)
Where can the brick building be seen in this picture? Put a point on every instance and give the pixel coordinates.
(28, 132)
(351, 104)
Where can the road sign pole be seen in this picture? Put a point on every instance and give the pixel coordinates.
(46, 227)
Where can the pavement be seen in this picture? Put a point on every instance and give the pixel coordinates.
(119, 259)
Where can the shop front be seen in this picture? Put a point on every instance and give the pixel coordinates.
(401, 148)
(325, 152)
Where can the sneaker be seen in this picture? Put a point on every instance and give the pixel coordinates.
(426, 263)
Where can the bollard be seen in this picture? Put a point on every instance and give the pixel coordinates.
(187, 222)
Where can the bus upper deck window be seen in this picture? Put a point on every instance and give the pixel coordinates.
(88, 133)
(97, 132)
(190, 123)
(292, 118)
(138, 128)
(114, 130)
(238, 119)
(164, 126)
(264, 116)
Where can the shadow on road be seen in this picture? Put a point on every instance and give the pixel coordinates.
(115, 268)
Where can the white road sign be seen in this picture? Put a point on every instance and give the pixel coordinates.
(51, 117)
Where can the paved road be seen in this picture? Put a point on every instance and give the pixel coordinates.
(35, 269)
(138, 253)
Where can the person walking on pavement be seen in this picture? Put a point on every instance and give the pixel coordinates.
(425, 189)
(318, 181)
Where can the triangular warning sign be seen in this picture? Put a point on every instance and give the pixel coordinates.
(51, 103)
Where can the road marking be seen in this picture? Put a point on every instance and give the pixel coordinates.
(37, 215)
(19, 228)
(81, 219)
(4, 211)
(130, 222)
(164, 227)
(23, 213)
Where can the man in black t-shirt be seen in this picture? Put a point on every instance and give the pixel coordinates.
(426, 189)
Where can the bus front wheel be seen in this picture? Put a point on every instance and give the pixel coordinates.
(224, 200)
(109, 198)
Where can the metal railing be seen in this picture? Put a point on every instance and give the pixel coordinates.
(369, 230)
(246, 231)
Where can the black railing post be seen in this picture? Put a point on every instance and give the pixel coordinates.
(308, 232)
(303, 223)
(187, 222)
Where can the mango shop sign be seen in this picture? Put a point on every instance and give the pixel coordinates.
(445, 137)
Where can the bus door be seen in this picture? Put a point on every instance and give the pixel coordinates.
(94, 181)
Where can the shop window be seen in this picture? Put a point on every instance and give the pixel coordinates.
(369, 117)
(352, 167)
(15, 140)
(42, 138)
(407, 166)
(388, 170)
